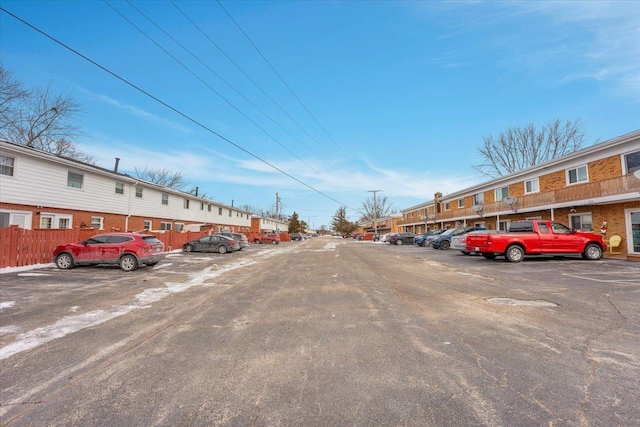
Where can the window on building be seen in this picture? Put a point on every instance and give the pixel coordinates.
(632, 161)
(139, 192)
(186, 203)
(7, 165)
(480, 224)
(532, 186)
(504, 225)
(97, 222)
(119, 188)
(478, 199)
(46, 221)
(447, 206)
(581, 221)
(501, 193)
(5, 219)
(578, 174)
(201, 206)
(165, 199)
(147, 224)
(166, 226)
(209, 207)
(461, 203)
(229, 212)
(74, 180)
(179, 227)
(64, 223)
(219, 211)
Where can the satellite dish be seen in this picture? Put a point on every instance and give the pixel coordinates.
(510, 200)
(431, 216)
(637, 174)
(477, 208)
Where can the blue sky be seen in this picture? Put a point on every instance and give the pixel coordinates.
(391, 96)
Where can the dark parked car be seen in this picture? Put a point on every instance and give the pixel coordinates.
(443, 241)
(296, 236)
(128, 250)
(424, 238)
(213, 243)
(401, 238)
(239, 237)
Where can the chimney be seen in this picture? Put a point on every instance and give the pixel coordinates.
(436, 202)
(197, 191)
(115, 168)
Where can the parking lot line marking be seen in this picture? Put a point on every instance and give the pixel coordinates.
(607, 280)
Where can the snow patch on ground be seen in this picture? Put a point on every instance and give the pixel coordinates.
(7, 304)
(33, 274)
(71, 324)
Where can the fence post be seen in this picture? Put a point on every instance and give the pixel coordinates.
(13, 245)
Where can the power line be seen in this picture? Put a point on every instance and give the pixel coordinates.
(280, 77)
(220, 77)
(249, 77)
(158, 100)
(206, 84)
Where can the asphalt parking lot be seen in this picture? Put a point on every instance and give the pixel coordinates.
(323, 332)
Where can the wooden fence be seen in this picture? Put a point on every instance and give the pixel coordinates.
(20, 247)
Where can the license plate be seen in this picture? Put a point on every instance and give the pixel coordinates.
(477, 249)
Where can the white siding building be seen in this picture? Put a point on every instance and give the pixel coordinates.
(43, 190)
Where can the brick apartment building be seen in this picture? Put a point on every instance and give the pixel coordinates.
(593, 189)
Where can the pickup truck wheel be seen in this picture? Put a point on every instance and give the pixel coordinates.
(514, 253)
(489, 256)
(592, 252)
(444, 245)
(275, 242)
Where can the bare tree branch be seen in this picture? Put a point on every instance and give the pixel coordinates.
(39, 118)
(164, 177)
(522, 147)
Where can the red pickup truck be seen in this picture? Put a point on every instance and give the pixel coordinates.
(536, 238)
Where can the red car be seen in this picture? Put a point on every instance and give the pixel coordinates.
(127, 250)
(268, 238)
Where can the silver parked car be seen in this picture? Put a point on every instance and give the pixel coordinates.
(239, 237)
(459, 242)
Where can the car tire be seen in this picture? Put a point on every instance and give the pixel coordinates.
(257, 241)
(592, 252)
(275, 242)
(128, 263)
(64, 261)
(188, 248)
(514, 253)
(399, 242)
(444, 245)
(222, 249)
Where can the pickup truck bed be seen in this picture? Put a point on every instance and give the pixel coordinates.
(536, 238)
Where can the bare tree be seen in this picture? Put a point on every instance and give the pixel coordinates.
(11, 93)
(377, 209)
(164, 177)
(518, 148)
(39, 118)
(251, 209)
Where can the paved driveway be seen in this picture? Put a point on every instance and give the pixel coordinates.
(323, 332)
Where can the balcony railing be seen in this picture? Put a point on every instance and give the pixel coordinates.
(578, 192)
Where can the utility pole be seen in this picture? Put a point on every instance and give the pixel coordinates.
(277, 207)
(375, 210)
